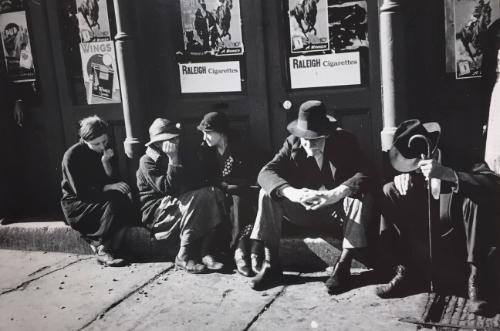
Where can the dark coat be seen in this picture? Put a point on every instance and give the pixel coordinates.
(156, 179)
(237, 179)
(291, 166)
(243, 172)
(87, 208)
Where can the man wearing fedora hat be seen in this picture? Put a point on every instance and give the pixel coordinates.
(317, 178)
(170, 207)
(462, 194)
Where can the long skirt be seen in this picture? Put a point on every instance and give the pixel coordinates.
(98, 222)
(190, 216)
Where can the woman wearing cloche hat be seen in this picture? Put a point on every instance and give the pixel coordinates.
(226, 164)
(169, 209)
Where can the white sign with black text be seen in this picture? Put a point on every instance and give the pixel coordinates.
(207, 77)
(336, 69)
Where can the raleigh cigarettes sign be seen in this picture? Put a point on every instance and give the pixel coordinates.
(325, 70)
(206, 77)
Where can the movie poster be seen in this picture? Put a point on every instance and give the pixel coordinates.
(16, 47)
(100, 72)
(308, 25)
(348, 24)
(211, 27)
(93, 22)
(471, 20)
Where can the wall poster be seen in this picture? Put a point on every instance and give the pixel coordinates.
(93, 21)
(97, 52)
(211, 27)
(308, 25)
(325, 70)
(16, 46)
(208, 77)
(100, 73)
(471, 21)
(343, 26)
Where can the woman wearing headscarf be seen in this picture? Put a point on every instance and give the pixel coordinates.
(170, 207)
(225, 164)
(95, 201)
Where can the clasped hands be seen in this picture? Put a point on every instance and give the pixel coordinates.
(315, 199)
(430, 169)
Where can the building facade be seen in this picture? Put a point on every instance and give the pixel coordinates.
(372, 63)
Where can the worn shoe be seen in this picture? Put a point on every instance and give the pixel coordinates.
(190, 266)
(211, 264)
(340, 279)
(266, 278)
(396, 286)
(477, 305)
(240, 261)
(256, 263)
(109, 260)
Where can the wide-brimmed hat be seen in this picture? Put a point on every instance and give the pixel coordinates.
(162, 129)
(405, 155)
(312, 122)
(214, 121)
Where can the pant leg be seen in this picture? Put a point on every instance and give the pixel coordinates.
(200, 212)
(478, 219)
(354, 213)
(402, 221)
(267, 226)
(356, 217)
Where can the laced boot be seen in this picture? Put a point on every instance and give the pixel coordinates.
(396, 286)
(340, 279)
(477, 305)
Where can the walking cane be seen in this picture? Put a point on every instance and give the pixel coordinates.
(429, 195)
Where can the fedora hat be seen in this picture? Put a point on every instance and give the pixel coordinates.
(404, 156)
(312, 122)
(162, 129)
(214, 121)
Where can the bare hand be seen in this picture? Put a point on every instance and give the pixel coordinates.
(326, 198)
(121, 187)
(171, 149)
(403, 183)
(298, 195)
(107, 155)
(433, 169)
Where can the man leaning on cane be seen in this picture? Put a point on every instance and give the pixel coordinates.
(463, 189)
(317, 178)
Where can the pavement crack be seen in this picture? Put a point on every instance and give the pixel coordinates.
(116, 303)
(266, 307)
(39, 270)
(23, 285)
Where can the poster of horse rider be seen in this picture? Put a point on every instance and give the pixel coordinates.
(11, 5)
(100, 73)
(16, 46)
(93, 22)
(211, 27)
(308, 26)
(472, 19)
(348, 25)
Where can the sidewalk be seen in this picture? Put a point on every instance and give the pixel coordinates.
(59, 291)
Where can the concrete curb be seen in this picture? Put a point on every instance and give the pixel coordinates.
(296, 252)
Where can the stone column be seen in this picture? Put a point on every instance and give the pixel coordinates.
(129, 80)
(393, 69)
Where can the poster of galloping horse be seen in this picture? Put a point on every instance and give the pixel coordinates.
(211, 27)
(472, 19)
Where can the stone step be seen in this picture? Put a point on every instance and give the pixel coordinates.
(297, 251)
